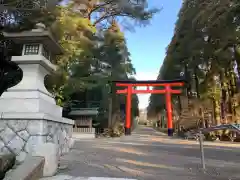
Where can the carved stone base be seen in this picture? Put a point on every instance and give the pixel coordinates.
(20, 132)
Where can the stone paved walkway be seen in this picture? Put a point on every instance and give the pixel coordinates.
(66, 177)
(148, 155)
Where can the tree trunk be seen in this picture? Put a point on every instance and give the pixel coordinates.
(217, 116)
(217, 112)
(223, 94)
(233, 88)
(237, 58)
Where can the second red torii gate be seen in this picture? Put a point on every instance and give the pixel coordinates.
(168, 90)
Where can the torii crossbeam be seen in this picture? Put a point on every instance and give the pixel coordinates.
(168, 90)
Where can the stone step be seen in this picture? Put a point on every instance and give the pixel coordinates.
(188, 120)
(189, 116)
(30, 169)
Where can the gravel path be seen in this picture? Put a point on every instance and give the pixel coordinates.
(149, 155)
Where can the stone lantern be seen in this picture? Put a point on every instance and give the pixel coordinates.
(38, 51)
(29, 114)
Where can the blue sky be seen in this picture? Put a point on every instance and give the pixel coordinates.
(147, 45)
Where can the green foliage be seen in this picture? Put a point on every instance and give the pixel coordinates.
(91, 61)
(104, 11)
(23, 15)
(206, 40)
(95, 50)
(58, 95)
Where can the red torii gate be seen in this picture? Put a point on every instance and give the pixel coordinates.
(168, 90)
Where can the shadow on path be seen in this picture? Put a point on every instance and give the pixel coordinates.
(140, 156)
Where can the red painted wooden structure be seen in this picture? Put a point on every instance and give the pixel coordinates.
(129, 89)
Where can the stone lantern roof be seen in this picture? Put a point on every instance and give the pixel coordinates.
(37, 35)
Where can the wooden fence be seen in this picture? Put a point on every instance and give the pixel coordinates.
(84, 130)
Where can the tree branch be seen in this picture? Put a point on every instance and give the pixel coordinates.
(96, 7)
